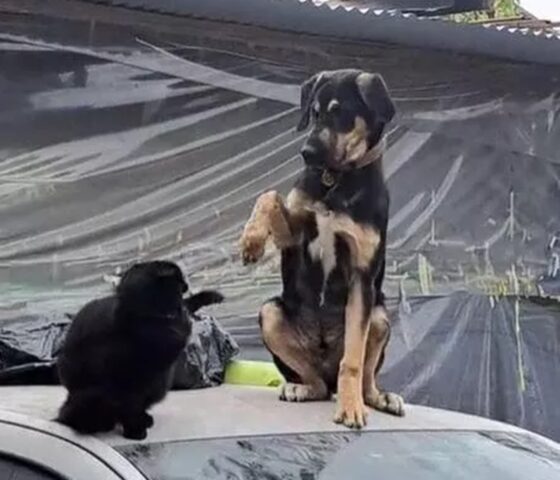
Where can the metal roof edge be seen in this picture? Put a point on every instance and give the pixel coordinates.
(366, 24)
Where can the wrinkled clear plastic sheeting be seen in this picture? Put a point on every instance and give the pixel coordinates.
(119, 144)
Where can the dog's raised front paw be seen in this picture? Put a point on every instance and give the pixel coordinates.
(253, 242)
(386, 402)
(268, 219)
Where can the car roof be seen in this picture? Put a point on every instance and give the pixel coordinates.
(230, 411)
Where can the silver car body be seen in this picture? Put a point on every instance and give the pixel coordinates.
(27, 430)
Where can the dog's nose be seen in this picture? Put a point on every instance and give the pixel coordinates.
(309, 153)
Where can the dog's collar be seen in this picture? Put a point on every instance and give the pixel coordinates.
(330, 177)
(373, 154)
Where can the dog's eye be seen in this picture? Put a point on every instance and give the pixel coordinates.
(344, 118)
(315, 113)
(335, 108)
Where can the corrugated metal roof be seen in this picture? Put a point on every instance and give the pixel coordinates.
(421, 7)
(536, 27)
(338, 18)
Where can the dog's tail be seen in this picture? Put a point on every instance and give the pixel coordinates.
(202, 299)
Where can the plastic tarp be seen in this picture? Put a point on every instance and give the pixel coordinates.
(28, 350)
(120, 143)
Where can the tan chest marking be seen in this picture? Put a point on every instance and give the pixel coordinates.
(362, 240)
(323, 246)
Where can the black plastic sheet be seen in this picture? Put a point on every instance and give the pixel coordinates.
(123, 142)
(478, 354)
(28, 349)
(203, 362)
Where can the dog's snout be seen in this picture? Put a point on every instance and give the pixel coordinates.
(309, 152)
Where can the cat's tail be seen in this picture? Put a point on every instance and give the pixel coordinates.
(202, 299)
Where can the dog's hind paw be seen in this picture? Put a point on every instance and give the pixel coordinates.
(386, 402)
(295, 392)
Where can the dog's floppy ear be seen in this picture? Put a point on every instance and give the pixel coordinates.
(309, 90)
(375, 95)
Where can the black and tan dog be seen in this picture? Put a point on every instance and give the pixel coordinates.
(328, 330)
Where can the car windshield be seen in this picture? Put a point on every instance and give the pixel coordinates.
(441, 455)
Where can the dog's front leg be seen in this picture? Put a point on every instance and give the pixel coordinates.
(379, 332)
(267, 219)
(363, 242)
(351, 410)
(272, 218)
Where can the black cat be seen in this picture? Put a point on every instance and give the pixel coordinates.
(119, 353)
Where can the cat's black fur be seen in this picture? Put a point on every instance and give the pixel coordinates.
(120, 350)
